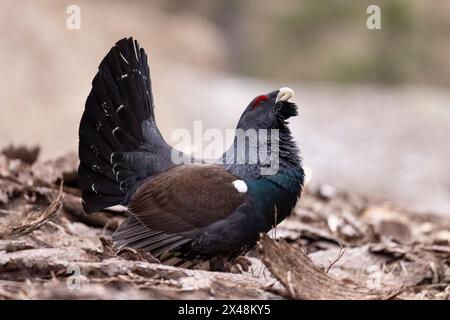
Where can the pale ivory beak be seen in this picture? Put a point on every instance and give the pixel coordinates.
(284, 94)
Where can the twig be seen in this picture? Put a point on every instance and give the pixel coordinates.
(339, 256)
(32, 220)
(274, 233)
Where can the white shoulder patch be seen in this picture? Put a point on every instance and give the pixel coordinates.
(240, 186)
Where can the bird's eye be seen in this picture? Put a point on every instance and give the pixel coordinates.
(259, 101)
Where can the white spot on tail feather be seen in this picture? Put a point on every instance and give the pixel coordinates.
(121, 55)
(240, 186)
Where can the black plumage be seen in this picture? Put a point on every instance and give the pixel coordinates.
(178, 212)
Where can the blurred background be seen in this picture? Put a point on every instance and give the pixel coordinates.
(375, 111)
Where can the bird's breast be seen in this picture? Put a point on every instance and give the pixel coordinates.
(275, 196)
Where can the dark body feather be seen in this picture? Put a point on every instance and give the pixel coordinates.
(176, 212)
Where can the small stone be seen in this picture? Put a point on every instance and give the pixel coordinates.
(327, 192)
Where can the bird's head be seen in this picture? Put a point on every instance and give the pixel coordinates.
(269, 111)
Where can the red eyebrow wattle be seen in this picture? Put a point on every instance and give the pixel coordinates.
(258, 99)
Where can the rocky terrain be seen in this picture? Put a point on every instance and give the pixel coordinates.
(335, 245)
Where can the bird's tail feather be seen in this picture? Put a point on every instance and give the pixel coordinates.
(134, 234)
(114, 129)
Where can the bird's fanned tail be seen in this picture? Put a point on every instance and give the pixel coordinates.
(118, 135)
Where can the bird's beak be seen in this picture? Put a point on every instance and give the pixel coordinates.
(284, 94)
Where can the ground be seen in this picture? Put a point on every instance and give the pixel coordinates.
(335, 245)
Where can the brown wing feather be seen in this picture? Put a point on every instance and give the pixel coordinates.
(186, 198)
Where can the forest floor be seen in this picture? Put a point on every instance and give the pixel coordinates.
(335, 245)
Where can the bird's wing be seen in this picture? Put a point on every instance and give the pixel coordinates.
(120, 144)
(186, 198)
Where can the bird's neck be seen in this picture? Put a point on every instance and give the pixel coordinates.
(268, 155)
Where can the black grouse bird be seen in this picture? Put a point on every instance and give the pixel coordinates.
(186, 212)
